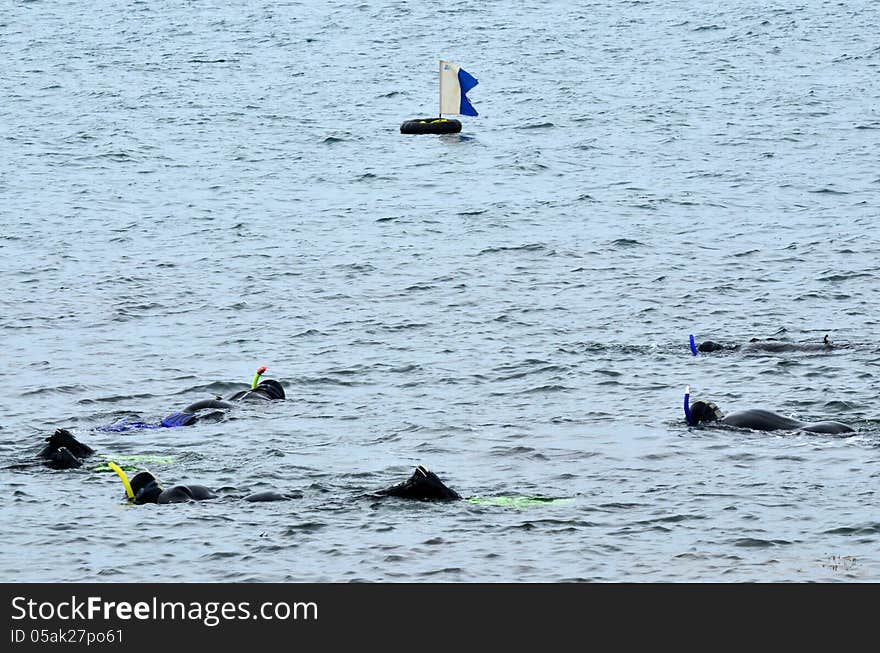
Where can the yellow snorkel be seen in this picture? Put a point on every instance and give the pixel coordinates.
(257, 376)
(123, 477)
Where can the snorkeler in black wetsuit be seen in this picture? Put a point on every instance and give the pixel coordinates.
(764, 344)
(266, 390)
(423, 485)
(64, 451)
(144, 488)
(757, 419)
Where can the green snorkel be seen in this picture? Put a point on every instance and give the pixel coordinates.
(257, 376)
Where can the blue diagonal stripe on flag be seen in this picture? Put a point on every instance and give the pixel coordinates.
(454, 84)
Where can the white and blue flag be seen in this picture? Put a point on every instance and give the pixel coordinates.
(454, 83)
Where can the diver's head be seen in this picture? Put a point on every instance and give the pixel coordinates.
(271, 388)
(708, 346)
(705, 411)
(145, 487)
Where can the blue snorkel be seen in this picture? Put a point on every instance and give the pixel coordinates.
(693, 345)
(687, 405)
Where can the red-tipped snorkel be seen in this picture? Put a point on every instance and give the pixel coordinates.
(687, 406)
(693, 345)
(257, 376)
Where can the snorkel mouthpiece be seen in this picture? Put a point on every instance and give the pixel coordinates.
(123, 477)
(687, 405)
(257, 376)
(693, 345)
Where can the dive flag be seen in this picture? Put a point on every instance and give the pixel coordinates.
(454, 83)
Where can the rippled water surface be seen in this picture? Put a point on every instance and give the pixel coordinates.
(193, 189)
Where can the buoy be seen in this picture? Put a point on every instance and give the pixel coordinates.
(431, 126)
(454, 84)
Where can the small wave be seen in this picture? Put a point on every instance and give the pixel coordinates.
(403, 326)
(619, 506)
(547, 388)
(674, 519)
(111, 571)
(865, 529)
(626, 242)
(405, 369)
(355, 267)
(114, 399)
(221, 555)
(545, 369)
(536, 125)
(214, 388)
(305, 527)
(419, 287)
(60, 389)
(531, 247)
(116, 157)
(516, 450)
(829, 191)
(308, 333)
(753, 542)
(369, 176)
(324, 380)
(446, 570)
(846, 276)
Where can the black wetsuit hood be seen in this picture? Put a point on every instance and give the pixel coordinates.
(271, 388)
(268, 389)
(423, 485)
(64, 451)
(705, 411)
(145, 487)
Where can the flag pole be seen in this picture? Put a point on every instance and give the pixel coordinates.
(440, 89)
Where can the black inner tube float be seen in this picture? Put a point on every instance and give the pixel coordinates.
(431, 126)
